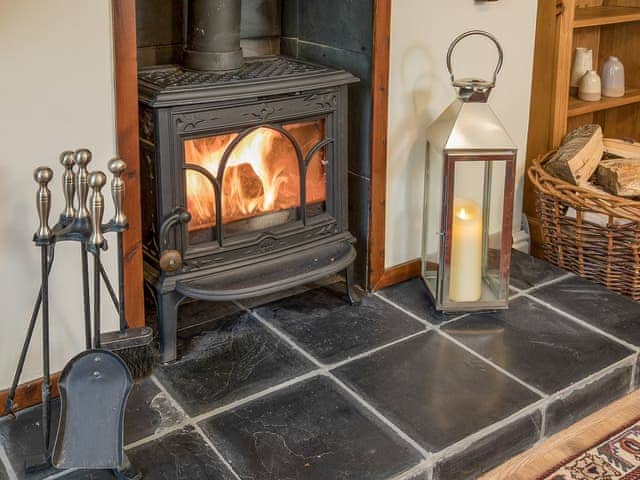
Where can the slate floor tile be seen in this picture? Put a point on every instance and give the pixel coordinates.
(537, 345)
(613, 313)
(527, 271)
(88, 475)
(420, 476)
(149, 411)
(312, 431)
(492, 450)
(236, 358)
(567, 410)
(434, 390)
(181, 455)
(328, 327)
(22, 439)
(413, 296)
(199, 312)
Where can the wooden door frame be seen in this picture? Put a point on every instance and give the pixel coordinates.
(126, 113)
(379, 276)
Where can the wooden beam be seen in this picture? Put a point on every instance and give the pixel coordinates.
(29, 394)
(126, 95)
(379, 276)
(380, 113)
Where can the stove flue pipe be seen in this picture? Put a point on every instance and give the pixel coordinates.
(213, 35)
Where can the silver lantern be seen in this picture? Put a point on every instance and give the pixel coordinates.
(469, 188)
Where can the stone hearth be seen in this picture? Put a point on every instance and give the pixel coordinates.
(310, 387)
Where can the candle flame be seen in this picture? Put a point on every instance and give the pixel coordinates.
(463, 215)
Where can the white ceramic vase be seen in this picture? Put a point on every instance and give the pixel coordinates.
(612, 76)
(582, 63)
(590, 87)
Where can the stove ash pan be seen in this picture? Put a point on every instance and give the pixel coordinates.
(244, 182)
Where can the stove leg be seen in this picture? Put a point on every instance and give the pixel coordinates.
(168, 325)
(354, 297)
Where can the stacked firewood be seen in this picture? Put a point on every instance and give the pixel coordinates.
(589, 160)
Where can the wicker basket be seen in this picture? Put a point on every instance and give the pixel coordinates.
(608, 254)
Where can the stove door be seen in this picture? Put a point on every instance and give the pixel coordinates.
(258, 179)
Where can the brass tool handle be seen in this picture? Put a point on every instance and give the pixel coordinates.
(83, 157)
(43, 176)
(97, 180)
(480, 33)
(68, 185)
(117, 167)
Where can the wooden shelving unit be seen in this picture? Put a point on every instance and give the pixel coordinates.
(580, 107)
(596, 16)
(608, 27)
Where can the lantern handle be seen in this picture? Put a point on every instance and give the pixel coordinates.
(470, 33)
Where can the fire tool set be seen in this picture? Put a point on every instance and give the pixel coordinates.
(94, 385)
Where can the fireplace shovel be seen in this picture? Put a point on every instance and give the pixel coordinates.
(94, 385)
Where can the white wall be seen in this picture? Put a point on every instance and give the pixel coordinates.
(57, 94)
(420, 89)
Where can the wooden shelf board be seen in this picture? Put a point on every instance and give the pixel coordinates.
(594, 16)
(580, 107)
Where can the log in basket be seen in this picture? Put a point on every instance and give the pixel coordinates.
(605, 251)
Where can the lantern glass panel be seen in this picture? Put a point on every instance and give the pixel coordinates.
(432, 217)
(472, 271)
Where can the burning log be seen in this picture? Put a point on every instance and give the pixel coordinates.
(578, 156)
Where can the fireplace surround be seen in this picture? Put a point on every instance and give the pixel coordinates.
(258, 159)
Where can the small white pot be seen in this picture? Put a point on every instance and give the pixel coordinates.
(590, 87)
(612, 75)
(582, 63)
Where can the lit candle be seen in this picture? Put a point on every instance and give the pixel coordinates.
(465, 279)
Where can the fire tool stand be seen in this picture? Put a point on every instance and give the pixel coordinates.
(73, 225)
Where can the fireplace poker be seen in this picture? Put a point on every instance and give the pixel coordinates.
(81, 224)
(96, 243)
(44, 239)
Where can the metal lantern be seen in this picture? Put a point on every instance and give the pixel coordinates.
(468, 213)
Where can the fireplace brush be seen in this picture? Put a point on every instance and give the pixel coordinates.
(133, 345)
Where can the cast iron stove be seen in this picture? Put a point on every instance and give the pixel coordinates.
(244, 181)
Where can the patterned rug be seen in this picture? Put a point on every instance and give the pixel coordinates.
(616, 458)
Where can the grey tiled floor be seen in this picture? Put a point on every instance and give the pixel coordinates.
(309, 387)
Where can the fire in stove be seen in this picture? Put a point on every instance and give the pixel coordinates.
(261, 176)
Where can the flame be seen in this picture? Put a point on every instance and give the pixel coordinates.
(261, 175)
(463, 215)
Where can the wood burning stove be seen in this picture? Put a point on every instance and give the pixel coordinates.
(258, 158)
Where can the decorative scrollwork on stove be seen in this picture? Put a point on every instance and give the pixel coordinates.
(191, 121)
(263, 112)
(324, 101)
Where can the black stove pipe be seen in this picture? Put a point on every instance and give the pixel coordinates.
(213, 35)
